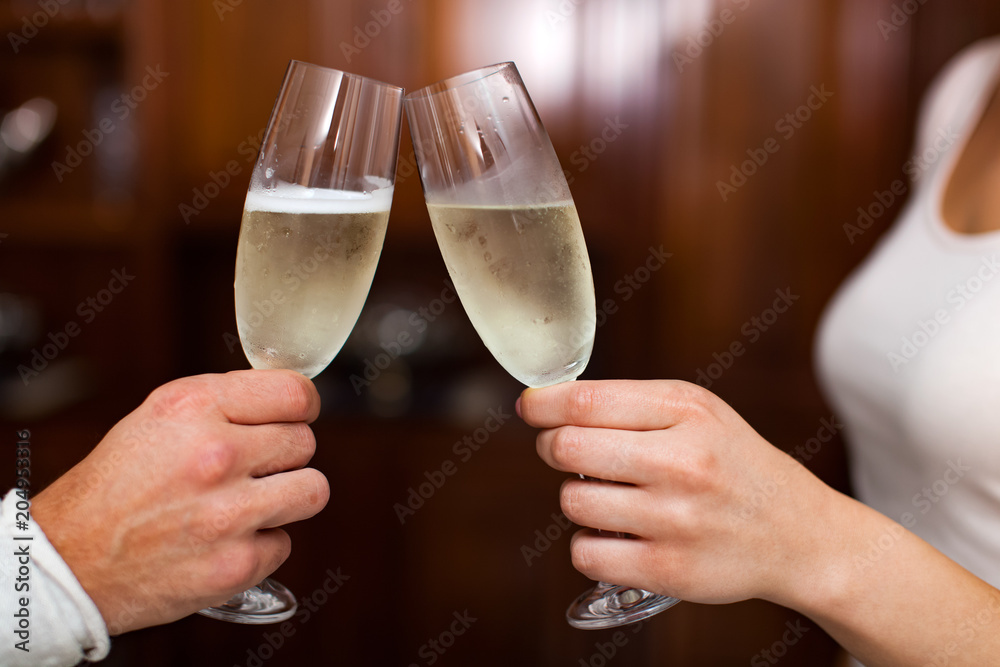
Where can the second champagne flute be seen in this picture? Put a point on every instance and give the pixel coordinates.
(511, 238)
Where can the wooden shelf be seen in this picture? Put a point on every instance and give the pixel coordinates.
(28, 21)
(67, 221)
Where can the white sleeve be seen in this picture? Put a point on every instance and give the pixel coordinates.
(47, 617)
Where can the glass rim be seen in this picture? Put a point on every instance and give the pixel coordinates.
(346, 75)
(461, 80)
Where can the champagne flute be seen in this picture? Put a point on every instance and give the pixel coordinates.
(313, 224)
(510, 236)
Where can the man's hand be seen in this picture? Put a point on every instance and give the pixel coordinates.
(178, 507)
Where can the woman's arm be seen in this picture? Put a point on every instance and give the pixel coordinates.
(722, 515)
(890, 598)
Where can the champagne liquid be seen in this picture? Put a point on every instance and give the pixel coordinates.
(524, 278)
(304, 266)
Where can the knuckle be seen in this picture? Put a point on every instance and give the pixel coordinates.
(686, 522)
(236, 567)
(566, 447)
(691, 400)
(573, 501)
(582, 399)
(667, 564)
(302, 441)
(280, 550)
(217, 517)
(214, 461)
(701, 470)
(583, 557)
(179, 396)
(294, 446)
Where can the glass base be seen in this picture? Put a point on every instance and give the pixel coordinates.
(609, 606)
(267, 602)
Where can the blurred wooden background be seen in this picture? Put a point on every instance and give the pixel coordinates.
(650, 103)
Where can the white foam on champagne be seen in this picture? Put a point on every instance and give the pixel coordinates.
(566, 204)
(298, 199)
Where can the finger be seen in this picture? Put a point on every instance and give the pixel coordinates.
(268, 449)
(628, 404)
(246, 562)
(609, 454)
(267, 396)
(618, 560)
(604, 506)
(273, 546)
(288, 497)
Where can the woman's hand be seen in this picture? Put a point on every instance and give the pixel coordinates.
(717, 512)
(178, 507)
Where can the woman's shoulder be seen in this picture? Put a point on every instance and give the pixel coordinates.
(946, 104)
